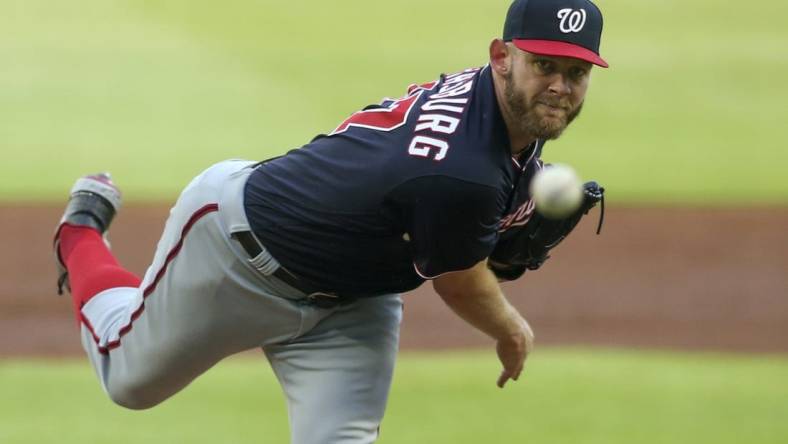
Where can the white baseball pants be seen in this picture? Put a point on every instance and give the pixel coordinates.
(202, 300)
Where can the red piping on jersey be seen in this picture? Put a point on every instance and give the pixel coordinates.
(210, 208)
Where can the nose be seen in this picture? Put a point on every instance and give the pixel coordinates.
(559, 85)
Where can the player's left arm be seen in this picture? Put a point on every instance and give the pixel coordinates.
(528, 247)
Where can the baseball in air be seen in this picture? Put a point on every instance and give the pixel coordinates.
(557, 191)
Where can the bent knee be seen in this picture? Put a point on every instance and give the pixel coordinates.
(134, 396)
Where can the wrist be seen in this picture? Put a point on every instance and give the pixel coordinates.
(519, 335)
(513, 339)
(514, 333)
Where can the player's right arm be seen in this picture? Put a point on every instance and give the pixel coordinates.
(452, 225)
(474, 294)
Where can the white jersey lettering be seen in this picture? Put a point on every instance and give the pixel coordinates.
(453, 90)
(438, 123)
(431, 126)
(422, 146)
(445, 105)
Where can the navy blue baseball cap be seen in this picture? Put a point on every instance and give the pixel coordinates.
(565, 28)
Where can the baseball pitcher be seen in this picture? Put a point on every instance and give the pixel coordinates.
(305, 255)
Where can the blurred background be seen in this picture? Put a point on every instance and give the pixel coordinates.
(672, 326)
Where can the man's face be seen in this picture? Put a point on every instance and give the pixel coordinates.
(544, 93)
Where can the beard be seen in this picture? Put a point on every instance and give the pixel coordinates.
(528, 118)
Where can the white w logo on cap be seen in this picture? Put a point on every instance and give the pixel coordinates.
(572, 20)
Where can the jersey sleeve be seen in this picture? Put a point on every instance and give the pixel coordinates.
(451, 224)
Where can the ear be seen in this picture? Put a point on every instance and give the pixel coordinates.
(500, 60)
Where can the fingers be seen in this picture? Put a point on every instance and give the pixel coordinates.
(507, 374)
(515, 375)
(502, 379)
(513, 353)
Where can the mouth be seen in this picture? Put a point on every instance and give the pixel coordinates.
(555, 110)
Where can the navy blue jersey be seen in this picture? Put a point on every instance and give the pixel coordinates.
(400, 192)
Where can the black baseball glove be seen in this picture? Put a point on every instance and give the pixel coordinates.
(527, 248)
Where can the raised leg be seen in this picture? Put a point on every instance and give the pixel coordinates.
(199, 301)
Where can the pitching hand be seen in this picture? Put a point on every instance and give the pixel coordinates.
(512, 353)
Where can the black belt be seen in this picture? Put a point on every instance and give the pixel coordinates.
(314, 296)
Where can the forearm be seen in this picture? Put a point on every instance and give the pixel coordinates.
(476, 297)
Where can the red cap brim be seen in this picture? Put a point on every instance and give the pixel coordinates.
(560, 49)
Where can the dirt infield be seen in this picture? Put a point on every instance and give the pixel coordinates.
(668, 278)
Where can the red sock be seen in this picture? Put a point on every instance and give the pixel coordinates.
(91, 266)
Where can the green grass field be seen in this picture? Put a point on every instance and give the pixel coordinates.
(566, 396)
(692, 111)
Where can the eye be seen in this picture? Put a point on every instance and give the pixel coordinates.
(577, 73)
(544, 66)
